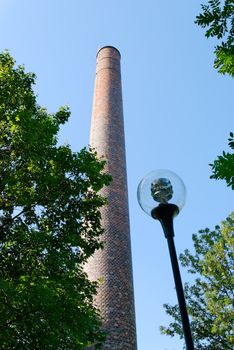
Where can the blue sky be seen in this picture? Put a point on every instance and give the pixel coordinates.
(178, 114)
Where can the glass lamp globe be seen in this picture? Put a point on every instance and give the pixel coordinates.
(161, 187)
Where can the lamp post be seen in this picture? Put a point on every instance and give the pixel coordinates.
(161, 194)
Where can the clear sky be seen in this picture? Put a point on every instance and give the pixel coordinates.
(178, 114)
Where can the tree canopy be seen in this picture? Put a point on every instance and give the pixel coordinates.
(223, 166)
(49, 224)
(218, 17)
(210, 297)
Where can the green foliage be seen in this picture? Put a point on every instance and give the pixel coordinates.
(210, 298)
(49, 224)
(223, 166)
(218, 17)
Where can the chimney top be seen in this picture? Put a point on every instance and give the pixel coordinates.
(108, 47)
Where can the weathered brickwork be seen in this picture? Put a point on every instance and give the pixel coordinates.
(113, 264)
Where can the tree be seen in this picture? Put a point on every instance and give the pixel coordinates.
(218, 17)
(210, 298)
(223, 166)
(49, 224)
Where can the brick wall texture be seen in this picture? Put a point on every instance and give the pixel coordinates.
(115, 298)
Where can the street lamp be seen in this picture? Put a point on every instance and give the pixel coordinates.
(161, 194)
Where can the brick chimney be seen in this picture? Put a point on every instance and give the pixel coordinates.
(113, 264)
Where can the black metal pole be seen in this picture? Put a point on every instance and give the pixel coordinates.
(180, 294)
(165, 213)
